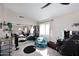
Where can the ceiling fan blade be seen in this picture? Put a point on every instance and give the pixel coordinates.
(65, 3)
(45, 5)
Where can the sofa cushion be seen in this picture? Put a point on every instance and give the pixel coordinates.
(51, 45)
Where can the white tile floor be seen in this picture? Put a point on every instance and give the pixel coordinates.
(39, 52)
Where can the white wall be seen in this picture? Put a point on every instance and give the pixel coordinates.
(64, 22)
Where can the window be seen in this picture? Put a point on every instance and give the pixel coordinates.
(44, 29)
(25, 30)
(47, 29)
(31, 30)
(19, 29)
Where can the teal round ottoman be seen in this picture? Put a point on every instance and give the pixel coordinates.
(41, 42)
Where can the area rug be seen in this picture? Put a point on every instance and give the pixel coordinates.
(29, 49)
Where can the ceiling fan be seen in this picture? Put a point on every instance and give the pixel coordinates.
(46, 5)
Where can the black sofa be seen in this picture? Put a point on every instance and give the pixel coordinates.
(67, 47)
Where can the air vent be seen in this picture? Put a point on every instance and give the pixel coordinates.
(21, 17)
(18, 24)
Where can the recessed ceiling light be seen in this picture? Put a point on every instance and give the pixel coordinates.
(21, 17)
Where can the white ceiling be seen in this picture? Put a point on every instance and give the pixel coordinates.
(34, 11)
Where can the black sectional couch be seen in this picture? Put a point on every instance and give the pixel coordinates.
(67, 47)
